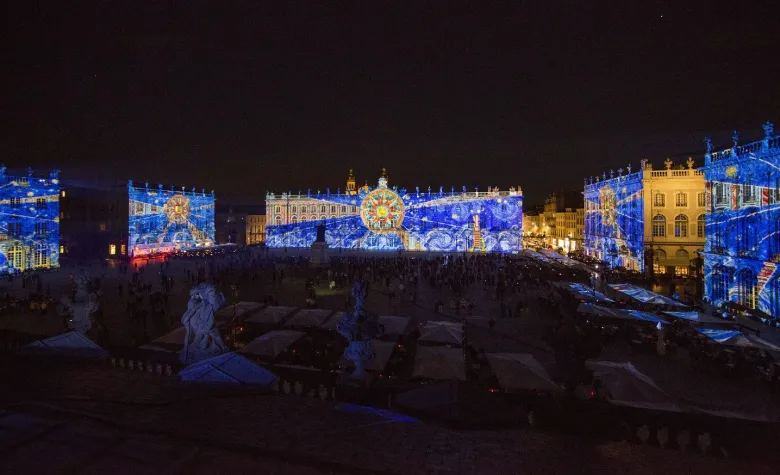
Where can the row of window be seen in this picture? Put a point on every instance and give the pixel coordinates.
(313, 209)
(15, 256)
(15, 228)
(680, 226)
(745, 194)
(40, 203)
(680, 200)
(294, 219)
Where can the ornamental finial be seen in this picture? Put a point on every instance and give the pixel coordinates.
(708, 143)
(628, 167)
(611, 173)
(769, 130)
(668, 163)
(603, 176)
(620, 172)
(735, 138)
(690, 163)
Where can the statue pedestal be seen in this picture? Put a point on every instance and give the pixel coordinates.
(319, 254)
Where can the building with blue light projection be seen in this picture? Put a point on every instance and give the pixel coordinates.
(385, 218)
(29, 233)
(742, 250)
(163, 221)
(614, 220)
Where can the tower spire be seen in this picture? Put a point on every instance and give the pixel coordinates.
(351, 189)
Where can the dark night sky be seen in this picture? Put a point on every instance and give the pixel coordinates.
(243, 99)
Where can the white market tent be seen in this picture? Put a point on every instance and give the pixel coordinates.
(330, 324)
(439, 362)
(272, 344)
(622, 314)
(697, 317)
(737, 338)
(627, 386)
(583, 292)
(520, 371)
(383, 350)
(645, 296)
(271, 315)
(242, 309)
(395, 327)
(229, 368)
(308, 317)
(70, 344)
(172, 341)
(447, 333)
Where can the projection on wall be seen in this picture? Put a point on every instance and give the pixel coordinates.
(394, 219)
(30, 226)
(614, 223)
(165, 221)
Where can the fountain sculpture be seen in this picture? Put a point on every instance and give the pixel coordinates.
(359, 328)
(202, 339)
(79, 310)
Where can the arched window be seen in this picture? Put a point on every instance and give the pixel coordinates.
(333, 210)
(294, 209)
(746, 290)
(701, 223)
(681, 226)
(41, 255)
(16, 257)
(278, 220)
(323, 209)
(323, 217)
(660, 254)
(294, 220)
(312, 218)
(304, 209)
(659, 226)
(303, 218)
(681, 254)
(681, 199)
(659, 200)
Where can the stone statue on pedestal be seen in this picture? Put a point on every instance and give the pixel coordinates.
(202, 338)
(79, 310)
(359, 328)
(319, 249)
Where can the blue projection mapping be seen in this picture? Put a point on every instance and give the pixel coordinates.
(614, 222)
(743, 224)
(164, 221)
(394, 219)
(30, 230)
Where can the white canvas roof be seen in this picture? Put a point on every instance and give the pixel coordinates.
(70, 344)
(172, 341)
(271, 315)
(394, 326)
(330, 324)
(272, 343)
(626, 384)
(645, 296)
(308, 317)
(229, 368)
(383, 351)
(242, 310)
(520, 371)
(439, 362)
(449, 333)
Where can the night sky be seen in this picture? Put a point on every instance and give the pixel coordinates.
(244, 99)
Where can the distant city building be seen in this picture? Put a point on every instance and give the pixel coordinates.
(93, 220)
(392, 218)
(561, 222)
(29, 230)
(650, 220)
(743, 224)
(255, 229)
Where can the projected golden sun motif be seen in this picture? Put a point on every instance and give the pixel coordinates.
(382, 211)
(177, 209)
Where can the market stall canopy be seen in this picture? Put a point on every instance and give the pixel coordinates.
(173, 341)
(272, 315)
(447, 333)
(330, 324)
(272, 343)
(583, 292)
(621, 314)
(737, 338)
(383, 350)
(520, 371)
(627, 386)
(645, 296)
(229, 368)
(696, 317)
(71, 344)
(539, 257)
(395, 326)
(308, 317)
(242, 310)
(439, 362)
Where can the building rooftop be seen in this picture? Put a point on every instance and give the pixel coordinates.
(84, 418)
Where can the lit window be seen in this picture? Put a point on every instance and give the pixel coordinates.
(681, 199)
(102, 226)
(62, 249)
(681, 270)
(701, 199)
(294, 209)
(112, 249)
(659, 200)
(62, 193)
(659, 226)
(700, 225)
(123, 249)
(278, 209)
(658, 268)
(681, 226)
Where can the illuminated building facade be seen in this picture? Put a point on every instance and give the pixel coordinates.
(743, 224)
(29, 233)
(385, 218)
(255, 229)
(614, 222)
(163, 221)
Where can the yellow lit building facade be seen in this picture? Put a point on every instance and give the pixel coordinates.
(255, 229)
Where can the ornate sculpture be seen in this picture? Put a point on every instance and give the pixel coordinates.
(620, 172)
(202, 338)
(628, 167)
(690, 162)
(81, 307)
(603, 176)
(708, 144)
(668, 163)
(769, 130)
(359, 328)
(735, 138)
